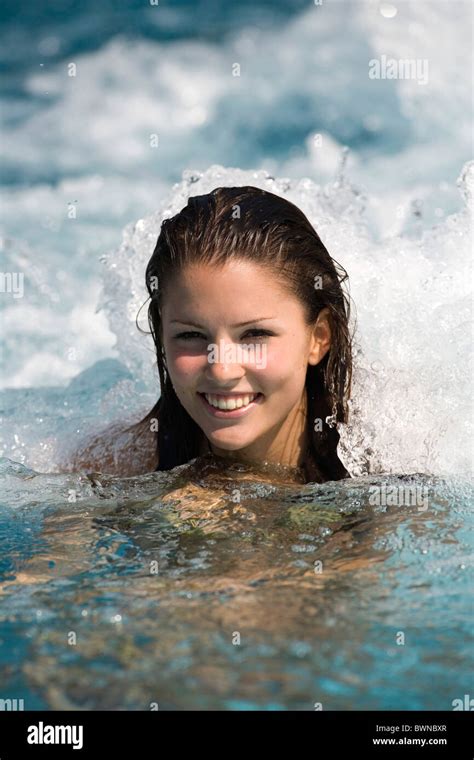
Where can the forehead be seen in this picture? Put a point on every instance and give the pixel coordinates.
(228, 291)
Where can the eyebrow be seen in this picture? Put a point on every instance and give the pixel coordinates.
(240, 324)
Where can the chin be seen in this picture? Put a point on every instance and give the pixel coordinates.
(228, 445)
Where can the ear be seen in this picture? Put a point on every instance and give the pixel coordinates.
(320, 337)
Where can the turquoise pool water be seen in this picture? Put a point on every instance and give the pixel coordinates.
(198, 589)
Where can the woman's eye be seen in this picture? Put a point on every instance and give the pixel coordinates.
(259, 333)
(189, 335)
(195, 335)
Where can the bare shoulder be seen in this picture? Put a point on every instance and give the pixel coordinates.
(118, 450)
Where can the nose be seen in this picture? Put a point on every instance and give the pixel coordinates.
(222, 365)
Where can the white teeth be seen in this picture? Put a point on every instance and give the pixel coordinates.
(229, 404)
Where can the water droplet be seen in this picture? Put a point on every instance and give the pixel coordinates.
(388, 10)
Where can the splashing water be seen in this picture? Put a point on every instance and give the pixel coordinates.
(411, 407)
(399, 226)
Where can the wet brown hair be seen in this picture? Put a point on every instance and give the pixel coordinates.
(247, 223)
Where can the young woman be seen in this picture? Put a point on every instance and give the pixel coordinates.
(250, 325)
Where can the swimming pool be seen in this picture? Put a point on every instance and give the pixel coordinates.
(200, 589)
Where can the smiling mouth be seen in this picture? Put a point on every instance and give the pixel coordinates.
(230, 403)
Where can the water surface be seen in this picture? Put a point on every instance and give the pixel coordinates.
(206, 589)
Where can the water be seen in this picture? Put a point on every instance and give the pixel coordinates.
(384, 171)
(206, 589)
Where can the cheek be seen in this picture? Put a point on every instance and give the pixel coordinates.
(185, 367)
(283, 366)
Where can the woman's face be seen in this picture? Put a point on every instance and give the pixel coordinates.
(209, 315)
